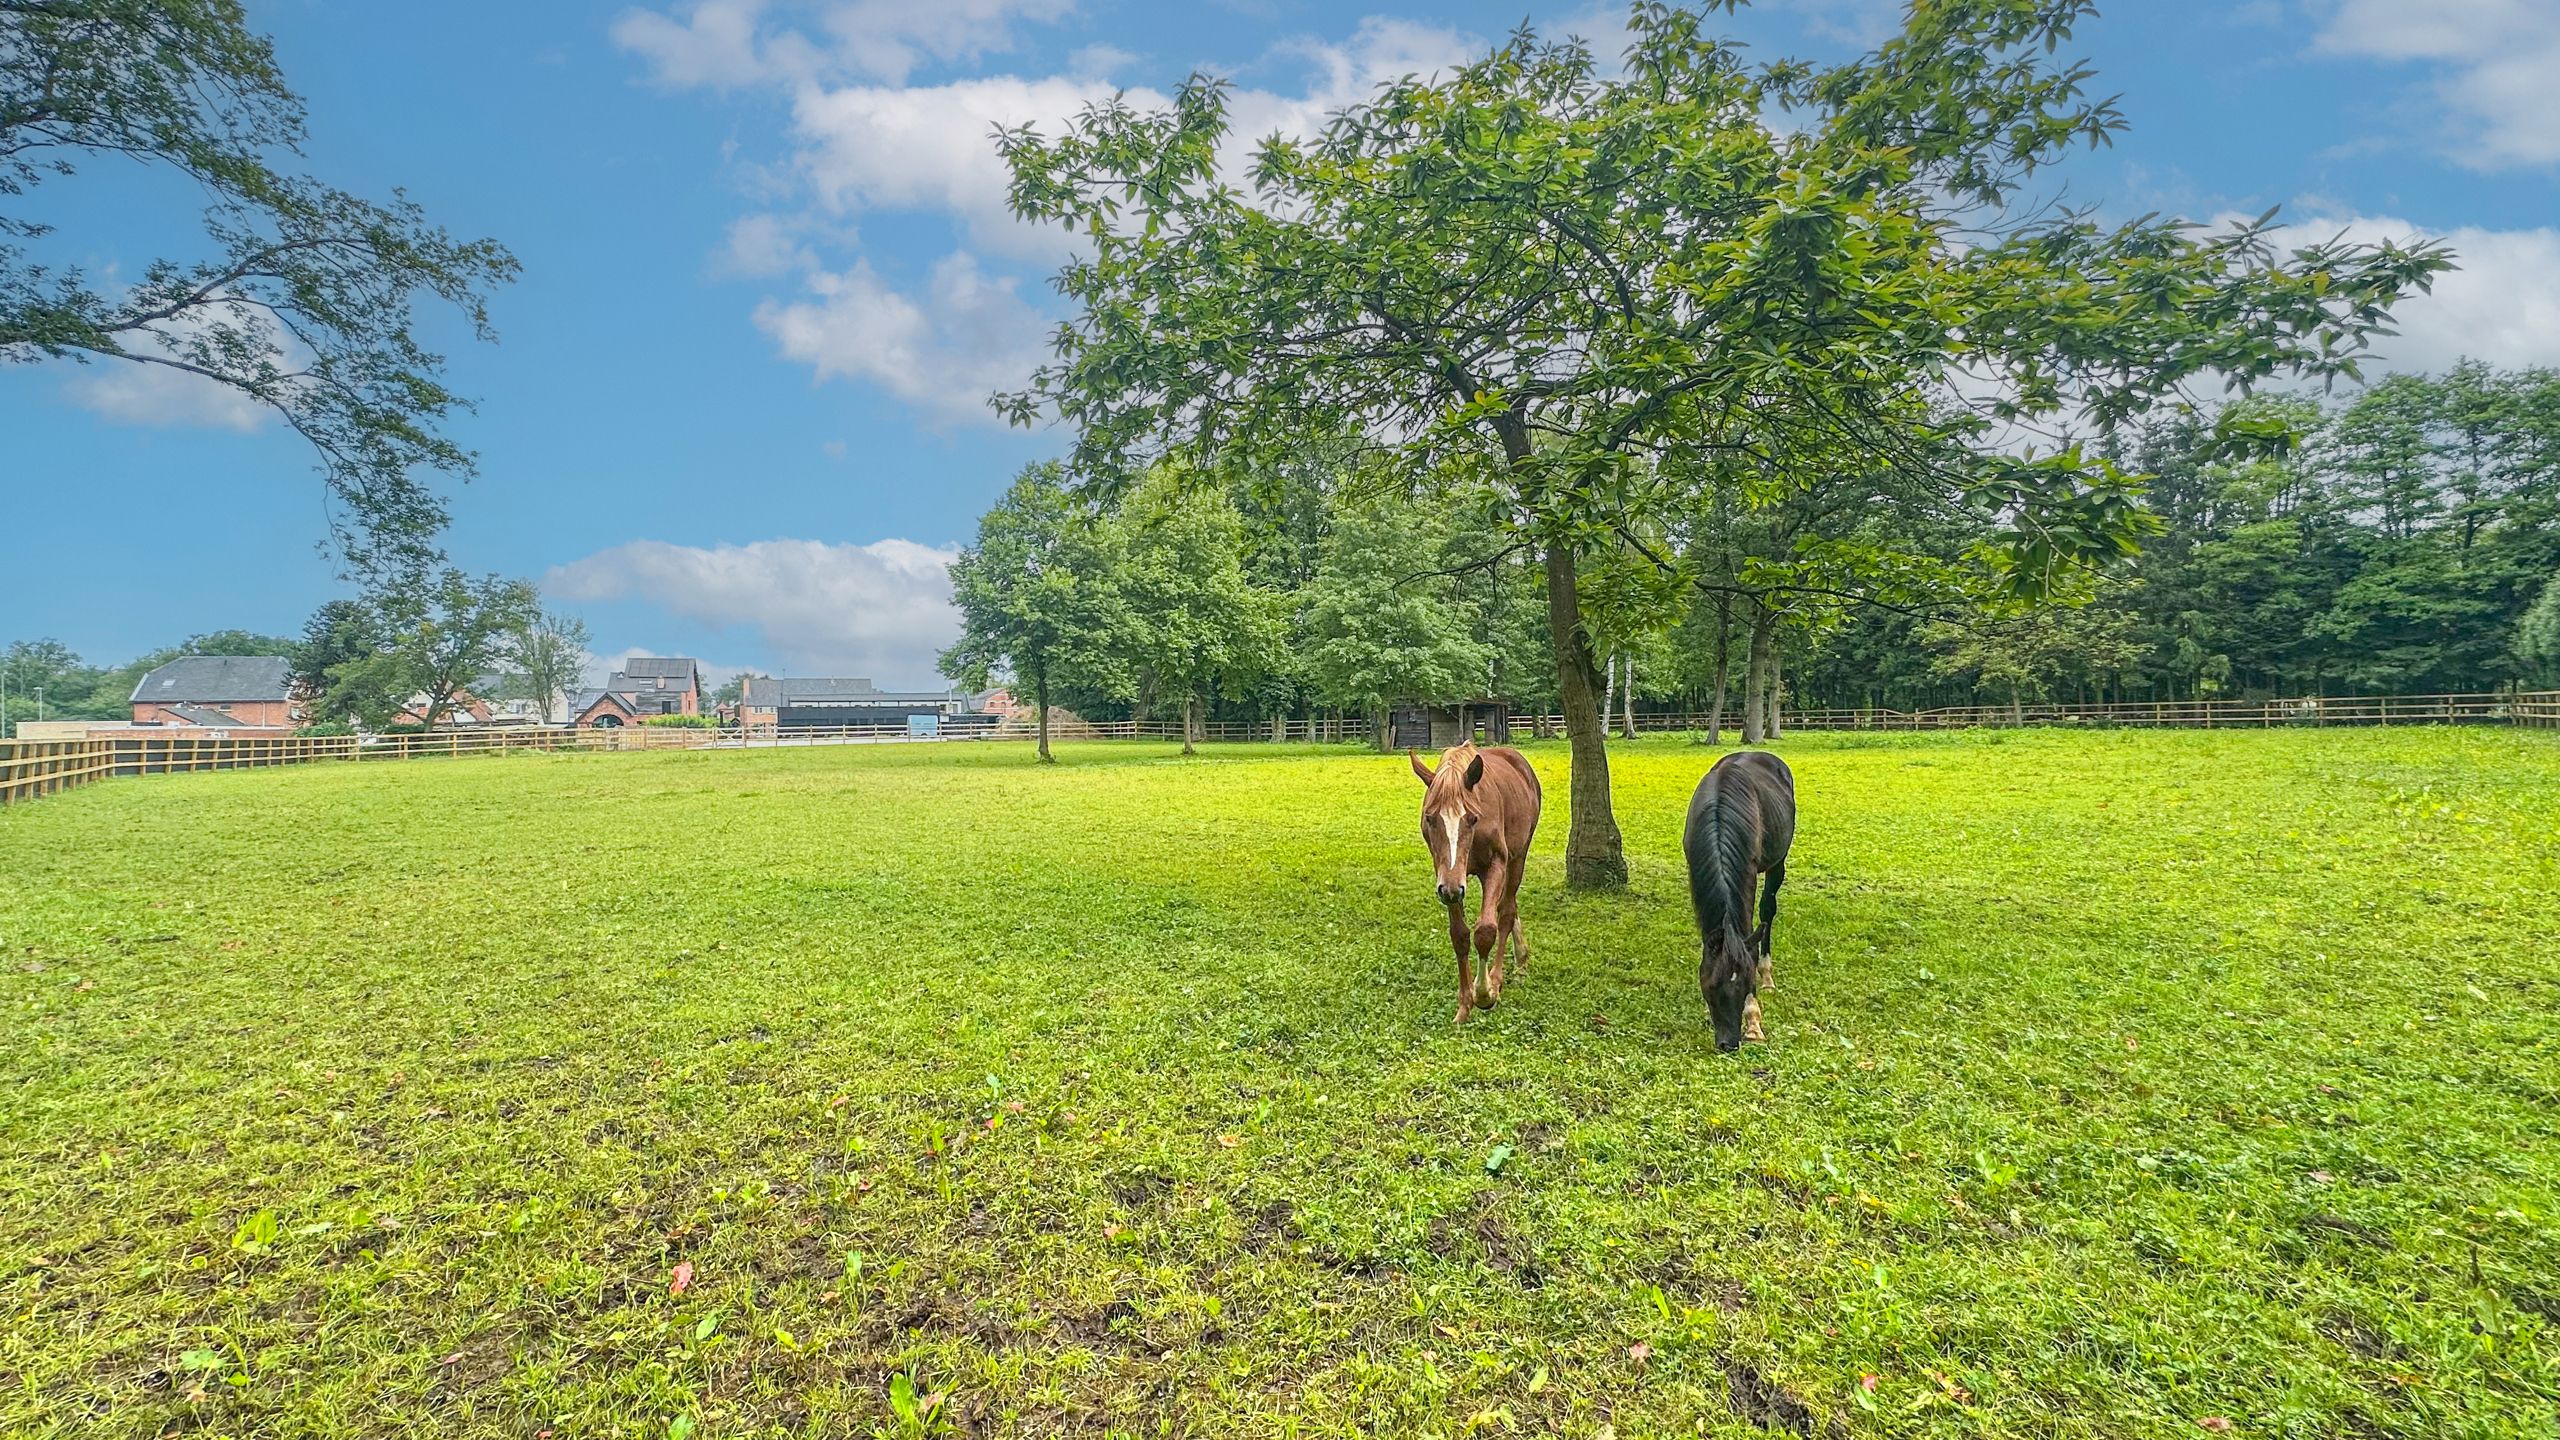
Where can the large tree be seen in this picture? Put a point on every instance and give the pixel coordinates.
(1037, 597)
(304, 298)
(550, 655)
(407, 651)
(1545, 274)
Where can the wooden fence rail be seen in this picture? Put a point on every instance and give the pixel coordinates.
(29, 768)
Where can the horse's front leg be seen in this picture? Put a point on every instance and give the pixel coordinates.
(1769, 884)
(1489, 937)
(1458, 938)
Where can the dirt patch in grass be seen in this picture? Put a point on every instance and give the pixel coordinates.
(1764, 1402)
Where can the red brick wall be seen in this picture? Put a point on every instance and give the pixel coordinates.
(275, 713)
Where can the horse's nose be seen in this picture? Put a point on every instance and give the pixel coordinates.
(1453, 893)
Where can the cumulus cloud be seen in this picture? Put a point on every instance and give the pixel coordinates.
(881, 610)
(2496, 64)
(927, 148)
(2502, 305)
(945, 352)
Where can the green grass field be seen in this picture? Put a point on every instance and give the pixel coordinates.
(2118, 1085)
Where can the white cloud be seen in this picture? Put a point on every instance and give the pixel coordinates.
(724, 44)
(140, 394)
(2502, 305)
(966, 337)
(715, 45)
(929, 148)
(764, 245)
(881, 610)
(890, 38)
(2497, 64)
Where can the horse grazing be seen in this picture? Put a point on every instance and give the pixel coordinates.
(1741, 822)
(1479, 812)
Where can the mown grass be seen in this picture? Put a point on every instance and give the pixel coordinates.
(2119, 1085)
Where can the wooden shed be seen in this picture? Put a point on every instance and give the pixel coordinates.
(1437, 726)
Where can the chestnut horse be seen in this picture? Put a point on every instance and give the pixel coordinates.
(1479, 813)
(1741, 823)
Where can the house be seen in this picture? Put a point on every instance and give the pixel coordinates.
(807, 703)
(219, 691)
(646, 685)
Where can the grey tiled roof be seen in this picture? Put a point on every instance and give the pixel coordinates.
(197, 679)
(659, 667)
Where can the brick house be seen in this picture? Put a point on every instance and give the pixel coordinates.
(646, 685)
(219, 691)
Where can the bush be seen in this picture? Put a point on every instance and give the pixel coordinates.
(684, 722)
(333, 728)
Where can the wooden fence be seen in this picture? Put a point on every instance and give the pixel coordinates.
(29, 768)
(2534, 708)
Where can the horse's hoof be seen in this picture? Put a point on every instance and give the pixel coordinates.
(1463, 1012)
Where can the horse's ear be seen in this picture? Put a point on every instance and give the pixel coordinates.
(1475, 770)
(1418, 767)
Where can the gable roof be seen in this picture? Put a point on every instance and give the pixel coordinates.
(581, 702)
(205, 679)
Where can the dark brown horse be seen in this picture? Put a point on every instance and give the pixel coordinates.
(1741, 823)
(1479, 813)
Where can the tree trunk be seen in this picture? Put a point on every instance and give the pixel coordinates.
(1755, 678)
(1594, 856)
(1724, 663)
(1609, 694)
(1777, 667)
(1627, 694)
(1381, 738)
(1040, 703)
(1190, 725)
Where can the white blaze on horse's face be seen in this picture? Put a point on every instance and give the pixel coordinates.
(1450, 820)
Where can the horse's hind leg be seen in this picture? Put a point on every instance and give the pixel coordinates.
(1769, 917)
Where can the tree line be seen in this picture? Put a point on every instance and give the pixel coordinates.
(2404, 540)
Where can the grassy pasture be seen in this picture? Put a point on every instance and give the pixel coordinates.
(2119, 1085)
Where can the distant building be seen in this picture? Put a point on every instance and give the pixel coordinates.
(218, 692)
(803, 703)
(646, 685)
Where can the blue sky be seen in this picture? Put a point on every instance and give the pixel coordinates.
(736, 407)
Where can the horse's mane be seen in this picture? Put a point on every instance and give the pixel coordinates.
(1723, 906)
